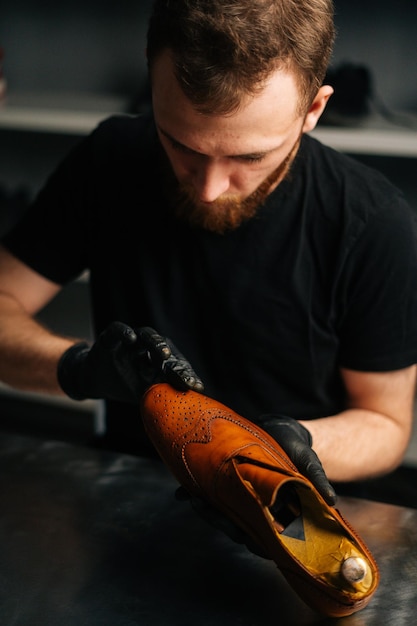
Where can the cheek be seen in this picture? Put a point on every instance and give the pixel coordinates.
(177, 161)
(184, 166)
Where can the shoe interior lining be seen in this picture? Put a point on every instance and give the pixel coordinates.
(315, 538)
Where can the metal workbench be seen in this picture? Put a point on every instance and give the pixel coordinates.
(93, 538)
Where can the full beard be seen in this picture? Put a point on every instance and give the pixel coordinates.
(228, 213)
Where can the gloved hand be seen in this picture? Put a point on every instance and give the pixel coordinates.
(122, 363)
(296, 441)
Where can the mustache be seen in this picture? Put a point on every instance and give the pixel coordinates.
(227, 212)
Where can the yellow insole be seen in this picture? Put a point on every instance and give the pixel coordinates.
(324, 545)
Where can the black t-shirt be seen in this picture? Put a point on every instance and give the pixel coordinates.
(325, 276)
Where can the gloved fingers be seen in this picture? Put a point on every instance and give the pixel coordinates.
(179, 365)
(283, 428)
(115, 334)
(156, 345)
(296, 441)
(309, 464)
(179, 373)
(168, 360)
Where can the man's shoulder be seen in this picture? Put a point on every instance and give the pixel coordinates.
(126, 123)
(134, 131)
(347, 182)
(335, 165)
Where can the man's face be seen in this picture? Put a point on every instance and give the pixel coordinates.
(226, 165)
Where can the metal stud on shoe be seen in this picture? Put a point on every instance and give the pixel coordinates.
(354, 569)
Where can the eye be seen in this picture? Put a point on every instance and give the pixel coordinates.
(251, 158)
(180, 147)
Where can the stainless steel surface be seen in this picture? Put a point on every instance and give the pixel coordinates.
(94, 538)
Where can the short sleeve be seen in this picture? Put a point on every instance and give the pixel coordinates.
(378, 326)
(56, 235)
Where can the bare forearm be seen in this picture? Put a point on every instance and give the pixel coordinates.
(358, 444)
(29, 353)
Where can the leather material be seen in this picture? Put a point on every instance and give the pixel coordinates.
(240, 470)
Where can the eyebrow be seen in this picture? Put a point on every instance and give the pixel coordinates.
(249, 155)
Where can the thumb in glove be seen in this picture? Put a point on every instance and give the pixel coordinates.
(297, 442)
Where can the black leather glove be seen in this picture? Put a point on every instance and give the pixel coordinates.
(296, 441)
(122, 363)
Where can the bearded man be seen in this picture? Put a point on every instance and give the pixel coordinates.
(284, 271)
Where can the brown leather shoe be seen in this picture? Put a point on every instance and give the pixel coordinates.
(241, 471)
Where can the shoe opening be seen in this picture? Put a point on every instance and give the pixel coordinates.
(317, 540)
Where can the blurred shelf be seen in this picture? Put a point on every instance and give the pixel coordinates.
(372, 135)
(78, 114)
(88, 406)
(384, 142)
(38, 413)
(68, 114)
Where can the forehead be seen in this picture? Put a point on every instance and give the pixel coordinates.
(261, 123)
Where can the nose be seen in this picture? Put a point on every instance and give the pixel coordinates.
(211, 180)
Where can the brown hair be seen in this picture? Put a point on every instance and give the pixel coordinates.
(223, 51)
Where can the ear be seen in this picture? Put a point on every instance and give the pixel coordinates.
(317, 107)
